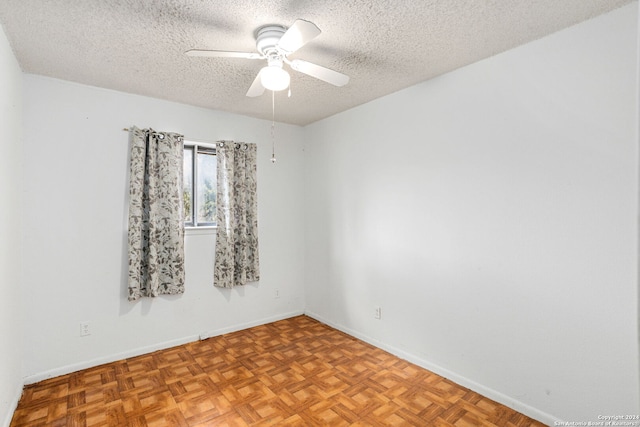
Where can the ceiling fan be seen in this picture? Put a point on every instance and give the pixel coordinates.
(275, 43)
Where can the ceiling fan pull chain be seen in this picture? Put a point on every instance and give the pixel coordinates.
(273, 126)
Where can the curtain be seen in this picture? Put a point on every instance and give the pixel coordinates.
(156, 224)
(236, 252)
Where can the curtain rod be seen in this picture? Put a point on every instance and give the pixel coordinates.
(197, 141)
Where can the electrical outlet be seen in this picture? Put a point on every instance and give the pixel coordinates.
(378, 313)
(84, 329)
(277, 293)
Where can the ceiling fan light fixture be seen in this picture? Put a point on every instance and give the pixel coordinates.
(274, 78)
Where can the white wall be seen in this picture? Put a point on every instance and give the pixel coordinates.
(10, 224)
(75, 230)
(491, 214)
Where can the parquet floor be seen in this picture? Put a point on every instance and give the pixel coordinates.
(295, 372)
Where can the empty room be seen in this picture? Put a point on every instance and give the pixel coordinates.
(367, 213)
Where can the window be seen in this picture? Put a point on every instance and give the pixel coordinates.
(199, 192)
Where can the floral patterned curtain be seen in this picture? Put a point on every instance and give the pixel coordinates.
(156, 227)
(236, 254)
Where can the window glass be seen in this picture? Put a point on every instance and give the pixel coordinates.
(206, 187)
(187, 193)
(199, 185)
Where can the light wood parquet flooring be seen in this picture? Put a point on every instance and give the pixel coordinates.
(295, 372)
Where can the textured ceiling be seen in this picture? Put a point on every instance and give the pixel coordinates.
(138, 46)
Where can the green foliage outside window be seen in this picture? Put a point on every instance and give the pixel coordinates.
(208, 208)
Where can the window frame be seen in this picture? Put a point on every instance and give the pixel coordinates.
(197, 147)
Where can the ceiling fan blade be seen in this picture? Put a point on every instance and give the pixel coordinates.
(223, 54)
(319, 72)
(256, 88)
(299, 34)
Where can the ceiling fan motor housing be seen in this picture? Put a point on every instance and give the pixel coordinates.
(267, 38)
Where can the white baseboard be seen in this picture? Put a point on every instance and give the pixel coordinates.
(86, 364)
(13, 405)
(31, 379)
(512, 403)
(235, 328)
